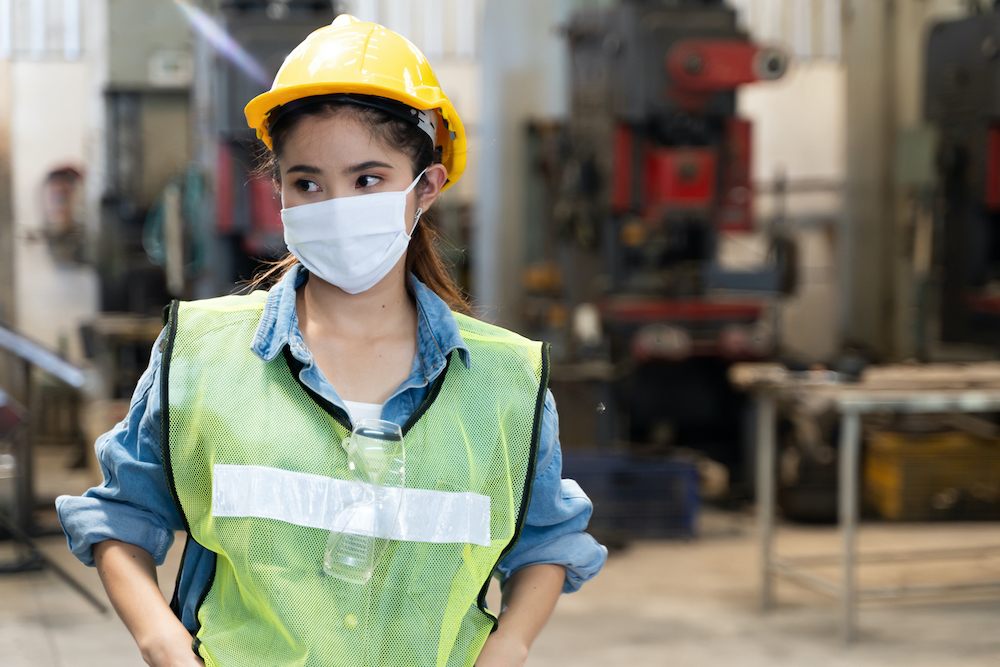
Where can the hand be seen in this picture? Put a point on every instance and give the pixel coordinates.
(502, 651)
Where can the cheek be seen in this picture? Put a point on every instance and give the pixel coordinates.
(289, 197)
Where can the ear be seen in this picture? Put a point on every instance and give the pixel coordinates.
(433, 181)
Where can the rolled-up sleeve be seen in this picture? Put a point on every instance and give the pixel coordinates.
(557, 517)
(133, 504)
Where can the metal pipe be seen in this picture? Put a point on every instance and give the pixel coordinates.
(24, 512)
(814, 582)
(850, 444)
(897, 556)
(766, 494)
(892, 592)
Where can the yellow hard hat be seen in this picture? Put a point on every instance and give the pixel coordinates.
(355, 57)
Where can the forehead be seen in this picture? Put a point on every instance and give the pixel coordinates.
(337, 135)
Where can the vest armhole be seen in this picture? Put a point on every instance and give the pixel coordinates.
(168, 351)
(201, 600)
(536, 432)
(175, 599)
(170, 316)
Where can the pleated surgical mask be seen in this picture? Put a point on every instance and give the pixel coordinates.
(350, 242)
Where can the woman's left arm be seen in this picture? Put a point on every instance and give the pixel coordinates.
(553, 555)
(529, 597)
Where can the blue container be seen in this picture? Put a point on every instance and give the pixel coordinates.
(636, 498)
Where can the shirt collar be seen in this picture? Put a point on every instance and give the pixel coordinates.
(437, 332)
(279, 317)
(436, 327)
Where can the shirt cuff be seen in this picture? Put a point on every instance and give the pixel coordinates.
(87, 521)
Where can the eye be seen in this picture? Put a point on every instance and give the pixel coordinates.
(367, 181)
(306, 186)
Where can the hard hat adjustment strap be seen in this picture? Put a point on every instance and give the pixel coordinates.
(426, 120)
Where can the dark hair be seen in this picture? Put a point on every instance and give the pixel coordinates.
(422, 258)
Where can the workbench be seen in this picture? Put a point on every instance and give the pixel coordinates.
(934, 388)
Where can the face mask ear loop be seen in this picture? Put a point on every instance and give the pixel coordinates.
(420, 211)
(415, 181)
(416, 219)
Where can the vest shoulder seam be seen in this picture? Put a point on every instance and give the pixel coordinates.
(231, 303)
(196, 323)
(491, 332)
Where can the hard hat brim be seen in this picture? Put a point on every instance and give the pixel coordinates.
(451, 133)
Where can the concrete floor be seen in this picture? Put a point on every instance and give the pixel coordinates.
(697, 604)
(656, 603)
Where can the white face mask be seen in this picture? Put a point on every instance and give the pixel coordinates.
(350, 242)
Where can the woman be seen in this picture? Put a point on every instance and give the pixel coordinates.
(240, 430)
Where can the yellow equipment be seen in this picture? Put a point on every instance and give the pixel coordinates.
(352, 56)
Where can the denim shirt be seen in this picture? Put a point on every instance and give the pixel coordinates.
(134, 505)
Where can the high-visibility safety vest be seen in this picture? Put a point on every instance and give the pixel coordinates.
(255, 463)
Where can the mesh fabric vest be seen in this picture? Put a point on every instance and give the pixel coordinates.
(269, 602)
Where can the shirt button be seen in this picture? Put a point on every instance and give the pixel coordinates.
(350, 621)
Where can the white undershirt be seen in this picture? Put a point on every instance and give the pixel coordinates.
(359, 411)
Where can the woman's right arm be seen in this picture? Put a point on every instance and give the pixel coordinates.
(129, 576)
(126, 525)
(133, 503)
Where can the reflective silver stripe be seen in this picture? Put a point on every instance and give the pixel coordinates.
(316, 501)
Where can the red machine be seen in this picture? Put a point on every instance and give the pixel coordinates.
(663, 167)
(680, 169)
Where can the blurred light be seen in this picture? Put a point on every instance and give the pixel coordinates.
(587, 324)
(71, 29)
(6, 29)
(399, 18)
(277, 10)
(223, 43)
(366, 10)
(661, 341)
(831, 28)
(743, 13)
(465, 29)
(433, 29)
(37, 30)
(771, 22)
(803, 28)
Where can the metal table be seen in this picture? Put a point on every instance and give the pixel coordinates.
(851, 402)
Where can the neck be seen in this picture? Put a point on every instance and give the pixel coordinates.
(384, 311)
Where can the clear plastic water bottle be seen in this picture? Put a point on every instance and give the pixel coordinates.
(376, 458)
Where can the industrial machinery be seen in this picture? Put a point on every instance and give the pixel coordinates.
(653, 166)
(963, 66)
(247, 212)
(182, 212)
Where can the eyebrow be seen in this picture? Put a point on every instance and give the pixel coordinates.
(305, 169)
(353, 169)
(365, 166)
